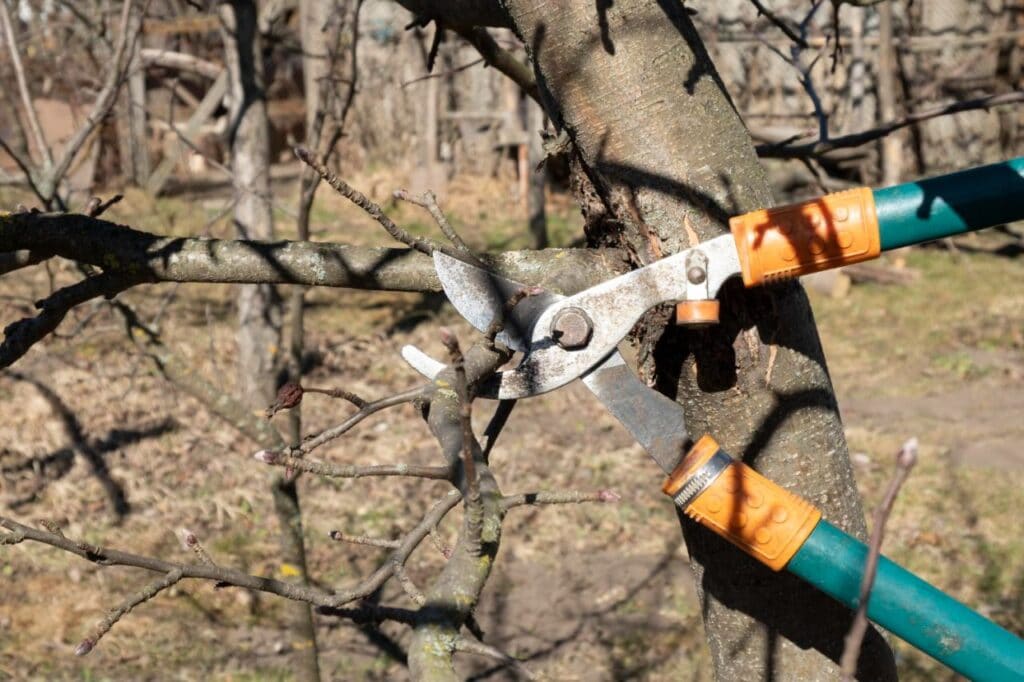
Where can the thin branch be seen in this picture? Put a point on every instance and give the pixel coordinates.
(192, 543)
(501, 59)
(145, 594)
(906, 458)
(474, 517)
(822, 147)
(351, 471)
(368, 409)
(384, 543)
(801, 41)
(469, 646)
(428, 200)
(360, 200)
(558, 497)
(131, 26)
(408, 586)
(26, 96)
(20, 336)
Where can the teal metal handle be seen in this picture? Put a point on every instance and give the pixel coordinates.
(910, 608)
(943, 206)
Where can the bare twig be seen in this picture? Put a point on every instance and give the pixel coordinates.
(365, 411)
(501, 59)
(338, 536)
(145, 594)
(351, 471)
(473, 502)
(21, 335)
(558, 497)
(360, 200)
(428, 200)
(905, 460)
(26, 96)
(478, 648)
(800, 40)
(191, 542)
(415, 593)
(228, 576)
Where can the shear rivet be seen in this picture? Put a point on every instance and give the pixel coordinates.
(571, 328)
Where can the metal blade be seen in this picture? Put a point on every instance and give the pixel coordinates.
(480, 296)
(613, 307)
(655, 421)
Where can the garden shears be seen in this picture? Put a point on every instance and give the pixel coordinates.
(564, 338)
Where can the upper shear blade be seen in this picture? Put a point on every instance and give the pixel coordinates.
(613, 307)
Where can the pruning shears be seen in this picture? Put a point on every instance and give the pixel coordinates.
(565, 338)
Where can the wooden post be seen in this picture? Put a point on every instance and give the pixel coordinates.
(891, 160)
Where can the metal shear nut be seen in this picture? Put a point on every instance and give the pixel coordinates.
(571, 328)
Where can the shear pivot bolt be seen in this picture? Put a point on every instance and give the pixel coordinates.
(571, 328)
(696, 274)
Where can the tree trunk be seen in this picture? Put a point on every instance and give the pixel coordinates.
(259, 306)
(664, 159)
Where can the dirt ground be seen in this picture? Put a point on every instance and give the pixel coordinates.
(584, 592)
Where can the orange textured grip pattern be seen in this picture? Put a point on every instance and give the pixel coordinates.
(750, 511)
(789, 241)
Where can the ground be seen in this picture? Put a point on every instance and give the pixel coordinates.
(587, 592)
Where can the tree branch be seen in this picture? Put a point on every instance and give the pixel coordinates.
(819, 147)
(152, 258)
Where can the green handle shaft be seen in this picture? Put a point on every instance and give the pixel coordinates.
(910, 608)
(965, 201)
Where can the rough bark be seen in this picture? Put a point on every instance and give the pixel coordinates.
(259, 306)
(666, 159)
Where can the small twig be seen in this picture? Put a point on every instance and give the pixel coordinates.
(558, 497)
(366, 614)
(98, 207)
(428, 200)
(473, 502)
(415, 593)
(368, 409)
(360, 200)
(469, 646)
(191, 542)
(440, 544)
(780, 24)
(11, 538)
(351, 471)
(145, 594)
(906, 458)
(21, 335)
(384, 543)
(290, 395)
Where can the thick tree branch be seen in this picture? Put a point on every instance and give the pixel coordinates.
(151, 258)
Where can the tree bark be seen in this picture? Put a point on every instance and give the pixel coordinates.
(664, 161)
(260, 306)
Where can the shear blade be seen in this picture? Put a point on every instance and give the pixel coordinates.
(613, 307)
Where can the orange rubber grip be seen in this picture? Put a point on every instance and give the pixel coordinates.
(758, 516)
(789, 241)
